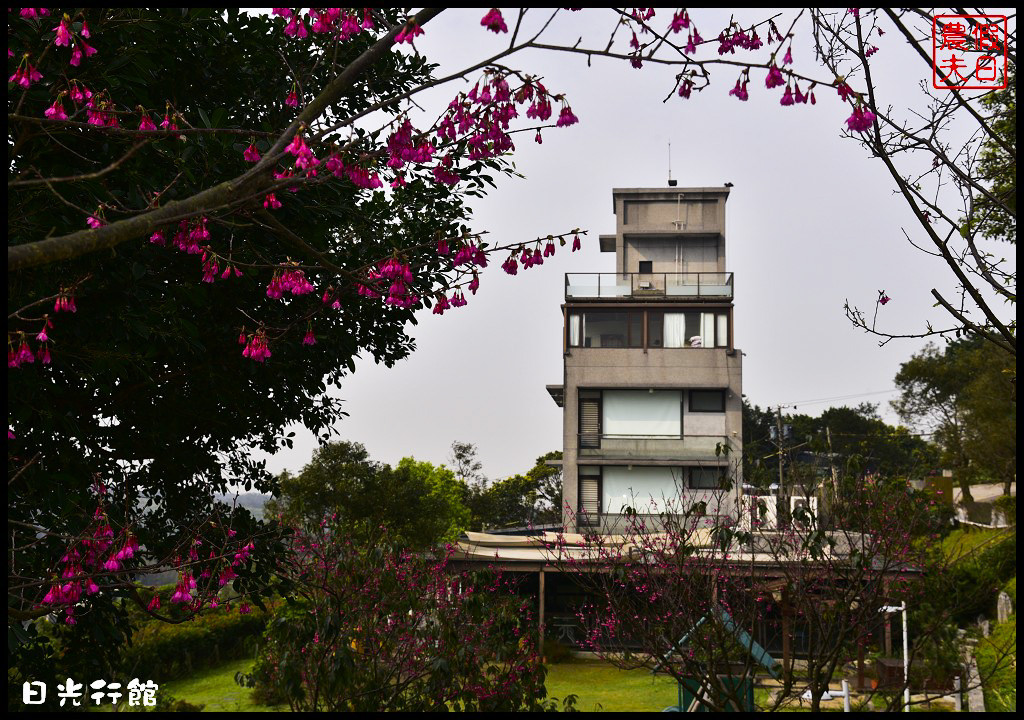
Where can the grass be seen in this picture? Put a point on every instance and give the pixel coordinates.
(997, 664)
(217, 690)
(599, 686)
(964, 541)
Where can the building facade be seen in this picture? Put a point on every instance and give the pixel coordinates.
(652, 382)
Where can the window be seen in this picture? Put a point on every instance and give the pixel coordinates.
(590, 419)
(646, 267)
(707, 401)
(687, 329)
(606, 329)
(648, 490)
(707, 478)
(589, 494)
(642, 413)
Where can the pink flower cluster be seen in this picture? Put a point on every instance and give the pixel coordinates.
(291, 280)
(188, 238)
(95, 553)
(408, 33)
(861, 120)
(256, 347)
(25, 75)
(64, 37)
(740, 91)
(680, 21)
(729, 42)
(304, 158)
(402, 148)
(470, 254)
(357, 174)
(494, 22)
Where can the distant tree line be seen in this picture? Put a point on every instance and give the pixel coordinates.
(417, 502)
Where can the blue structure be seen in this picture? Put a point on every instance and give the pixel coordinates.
(691, 691)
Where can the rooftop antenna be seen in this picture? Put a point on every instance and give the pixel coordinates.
(671, 182)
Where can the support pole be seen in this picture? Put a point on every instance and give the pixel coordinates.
(787, 645)
(906, 662)
(540, 604)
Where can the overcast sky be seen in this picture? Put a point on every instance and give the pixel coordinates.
(811, 221)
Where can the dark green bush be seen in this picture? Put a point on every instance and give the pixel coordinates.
(162, 651)
(1008, 504)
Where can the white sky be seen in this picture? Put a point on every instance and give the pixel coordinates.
(811, 221)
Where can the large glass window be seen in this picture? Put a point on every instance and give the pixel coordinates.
(642, 413)
(687, 329)
(606, 329)
(649, 490)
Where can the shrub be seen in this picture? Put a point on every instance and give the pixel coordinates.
(1008, 505)
(162, 651)
(376, 629)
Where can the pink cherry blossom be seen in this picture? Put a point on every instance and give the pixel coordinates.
(861, 120)
(494, 22)
(63, 38)
(409, 33)
(566, 117)
(56, 111)
(146, 123)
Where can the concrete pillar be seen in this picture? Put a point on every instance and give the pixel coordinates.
(1004, 607)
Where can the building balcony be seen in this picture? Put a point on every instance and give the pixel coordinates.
(675, 287)
(703, 448)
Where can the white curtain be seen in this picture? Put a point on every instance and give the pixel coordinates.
(723, 330)
(574, 330)
(675, 330)
(641, 413)
(707, 330)
(649, 490)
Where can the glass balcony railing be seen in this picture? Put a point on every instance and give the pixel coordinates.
(665, 447)
(672, 286)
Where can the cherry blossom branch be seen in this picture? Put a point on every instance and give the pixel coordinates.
(76, 244)
(77, 178)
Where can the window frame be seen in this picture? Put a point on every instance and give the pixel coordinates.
(719, 391)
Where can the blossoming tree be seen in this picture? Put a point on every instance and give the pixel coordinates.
(212, 213)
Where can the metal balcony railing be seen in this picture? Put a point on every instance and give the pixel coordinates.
(669, 286)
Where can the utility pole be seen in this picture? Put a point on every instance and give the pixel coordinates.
(778, 435)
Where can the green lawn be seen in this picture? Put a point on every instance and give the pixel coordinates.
(594, 683)
(597, 683)
(965, 540)
(217, 690)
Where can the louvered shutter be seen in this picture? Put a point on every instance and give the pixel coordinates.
(589, 499)
(590, 422)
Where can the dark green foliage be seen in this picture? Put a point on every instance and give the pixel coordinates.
(855, 441)
(379, 629)
(417, 503)
(51, 651)
(966, 394)
(517, 501)
(148, 391)
(162, 651)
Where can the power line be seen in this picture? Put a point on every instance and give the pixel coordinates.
(815, 401)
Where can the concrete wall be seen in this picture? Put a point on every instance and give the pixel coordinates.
(677, 368)
(678, 230)
(692, 217)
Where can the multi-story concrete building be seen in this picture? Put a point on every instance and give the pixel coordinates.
(652, 379)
